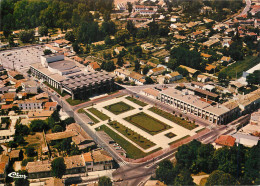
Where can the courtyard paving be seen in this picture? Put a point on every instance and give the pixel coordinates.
(159, 139)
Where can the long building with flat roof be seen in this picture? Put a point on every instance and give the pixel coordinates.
(192, 104)
(72, 77)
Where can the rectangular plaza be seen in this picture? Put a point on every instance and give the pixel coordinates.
(140, 121)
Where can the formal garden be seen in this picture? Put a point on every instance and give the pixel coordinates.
(147, 123)
(119, 108)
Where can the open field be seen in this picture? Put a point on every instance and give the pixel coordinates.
(89, 115)
(119, 108)
(133, 136)
(131, 150)
(147, 123)
(240, 66)
(136, 101)
(177, 120)
(99, 114)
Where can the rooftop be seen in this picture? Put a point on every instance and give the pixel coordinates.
(38, 166)
(101, 156)
(225, 140)
(60, 135)
(74, 161)
(151, 91)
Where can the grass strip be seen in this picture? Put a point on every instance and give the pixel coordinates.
(175, 119)
(178, 140)
(136, 101)
(89, 115)
(131, 150)
(75, 101)
(99, 114)
(132, 135)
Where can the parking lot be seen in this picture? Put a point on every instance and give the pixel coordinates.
(21, 58)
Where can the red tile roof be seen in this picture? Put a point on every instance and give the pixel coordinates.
(225, 140)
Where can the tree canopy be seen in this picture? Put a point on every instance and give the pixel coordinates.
(58, 167)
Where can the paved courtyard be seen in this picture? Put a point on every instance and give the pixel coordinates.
(159, 139)
(21, 58)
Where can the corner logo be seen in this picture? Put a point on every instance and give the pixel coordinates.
(16, 175)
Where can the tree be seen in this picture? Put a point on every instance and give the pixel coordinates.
(43, 30)
(56, 116)
(26, 36)
(184, 178)
(70, 36)
(129, 7)
(57, 128)
(131, 28)
(11, 40)
(165, 172)
(253, 78)
(218, 177)
(22, 181)
(182, 71)
(58, 167)
(137, 66)
(30, 151)
(19, 76)
(120, 61)
(108, 40)
(47, 52)
(145, 70)
(104, 181)
(222, 76)
(69, 120)
(38, 126)
(148, 80)
(76, 47)
(121, 36)
(19, 140)
(22, 130)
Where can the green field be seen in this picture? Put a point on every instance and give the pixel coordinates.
(178, 140)
(240, 66)
(136, 101)
(133, 136)
(175, 119)
(89, 115)
(131, 150)
(147, 123)
(99, 114)
(119, 108)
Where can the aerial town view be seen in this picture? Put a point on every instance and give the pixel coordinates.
(129, 92)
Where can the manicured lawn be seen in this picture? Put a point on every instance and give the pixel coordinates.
(240, 66)
(99, 114)
(89, 115)
(131, 150)
(133, 136)
(175, 119)
(147, 123)
(200, 130)
(170, 135)
(119, 108)
(136, 101)
(178, 140)
(75, 101)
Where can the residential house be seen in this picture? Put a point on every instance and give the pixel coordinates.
(30, 87)
(61, 43)
(225, 59)
(41, 115)
(203, 78)
(174, 76)
(139, 79)
(210, 68)
(75, 164)
(175, 19)
(151, 92)
(122, 73)
(225, 140)
(101, 160)
(8, 97)
(206, 9)
(15, 155)
(211, 43)
(154, 183)
(148, 47)
(192, 72)
(94, 66)
(156, 71)
(196, 34)
(153, 65)
(31, 104)
(119, 49)
(4, 162)
(146, 12)
(54, 182)
(205, 56)
(50, 106)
